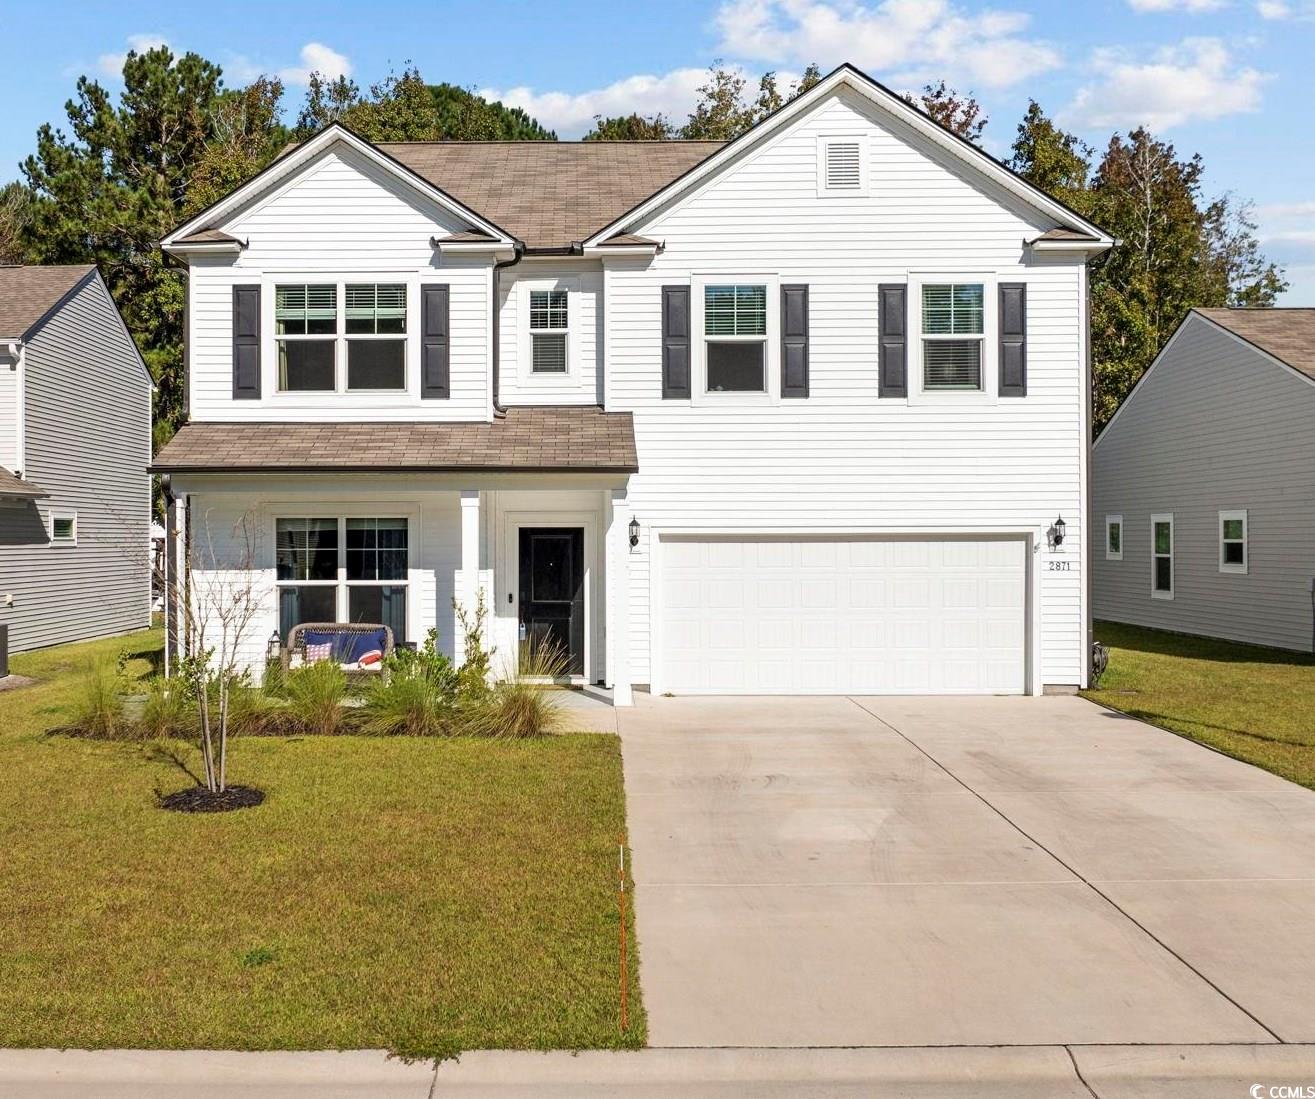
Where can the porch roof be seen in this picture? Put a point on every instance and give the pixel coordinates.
(527, 440)
(13, 487)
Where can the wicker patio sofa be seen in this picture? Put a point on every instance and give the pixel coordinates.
(350, 640)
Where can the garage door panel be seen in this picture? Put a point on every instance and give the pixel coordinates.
(898, 615)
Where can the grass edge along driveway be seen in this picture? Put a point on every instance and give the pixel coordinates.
(1252, 703)
(425, 896)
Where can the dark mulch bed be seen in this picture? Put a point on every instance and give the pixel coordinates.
(197, 799)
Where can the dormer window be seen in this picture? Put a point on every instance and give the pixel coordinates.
(842, 166)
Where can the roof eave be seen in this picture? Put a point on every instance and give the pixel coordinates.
(193, 468)
(205, 247)
(1089, 247)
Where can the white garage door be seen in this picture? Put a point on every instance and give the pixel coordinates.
(823, 615)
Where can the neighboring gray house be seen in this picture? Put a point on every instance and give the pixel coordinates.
(1203, 484)
(75, 443)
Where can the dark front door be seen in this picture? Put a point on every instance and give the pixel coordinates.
(552, 590)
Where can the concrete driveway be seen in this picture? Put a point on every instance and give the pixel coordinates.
(936, 872)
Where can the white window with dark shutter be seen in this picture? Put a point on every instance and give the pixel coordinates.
(842, 169)
(954, 337)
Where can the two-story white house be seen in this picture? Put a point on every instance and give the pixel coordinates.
(797, 413)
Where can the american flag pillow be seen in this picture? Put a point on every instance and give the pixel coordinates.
(316, 653)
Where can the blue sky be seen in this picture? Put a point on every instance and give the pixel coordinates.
(1230, 79)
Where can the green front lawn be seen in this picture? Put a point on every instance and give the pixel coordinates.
(1255, 704)
(420, 895)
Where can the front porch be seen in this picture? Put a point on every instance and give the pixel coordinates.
(545, 556)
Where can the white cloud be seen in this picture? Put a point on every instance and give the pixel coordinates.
(316, 58)
(1273, 9)
(1193, 81)
(572, 114)
(111, 64)
(1194, 7)
(917, 40)
(1286, 210)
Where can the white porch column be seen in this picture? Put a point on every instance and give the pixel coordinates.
(467, 585)
(175, 583)
(618, 599)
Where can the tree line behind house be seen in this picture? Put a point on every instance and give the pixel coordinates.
(125, 173)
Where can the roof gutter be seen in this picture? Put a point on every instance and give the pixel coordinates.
(495, 343)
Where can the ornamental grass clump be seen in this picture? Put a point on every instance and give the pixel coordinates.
(526, 705)
(415, 696)
(98, 709)
(168, 710)
(315, 695)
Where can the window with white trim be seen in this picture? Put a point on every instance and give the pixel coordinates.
(320, 349)
(1234, 555)
(1114, 538)
(63, 528)
(549, 331)
(735, 338)
(953, 336)
(342, 569)
(1162, 556)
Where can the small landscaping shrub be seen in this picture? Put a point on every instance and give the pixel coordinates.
(254, 711)
(98, 706)
(416, 695)
(315, 696)
(168, 710)
(525, 706)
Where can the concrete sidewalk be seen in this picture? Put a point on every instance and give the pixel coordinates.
(1020, 1072)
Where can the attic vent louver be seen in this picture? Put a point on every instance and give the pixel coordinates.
(844, 169)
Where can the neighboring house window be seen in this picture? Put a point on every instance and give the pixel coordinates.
(306, 332)
(1233, 553)
(1162, 556)
(1114, 537)
(735, 334)
(548, 331)
(342, 570)
(376, 336)
(63, 528)
(953, 335)
(841, 166)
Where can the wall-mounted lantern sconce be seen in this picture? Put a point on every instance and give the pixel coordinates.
(634, 532)
(1055, 535)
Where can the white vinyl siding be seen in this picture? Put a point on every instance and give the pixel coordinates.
(346, 222)
(842, 460)
(1214, 426)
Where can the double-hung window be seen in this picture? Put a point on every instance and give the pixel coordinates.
(549, 331)
(1233, 552)
(735, 338)
(324, 349)
(306, 334)
(342, 569)
(1162, 556)
(953, 336)
(376, 336)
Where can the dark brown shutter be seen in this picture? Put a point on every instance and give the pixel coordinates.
(675, 342)
(435, 342)
(246, 343)
(1013, 339)
(893, 356)
(794, 341)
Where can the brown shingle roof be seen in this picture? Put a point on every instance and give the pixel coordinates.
(1286, 333)
(208, 236)
(583, 439)
(12, 486)
(27, 294)
(550, 194)
(1062, 234)
(631, 240)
